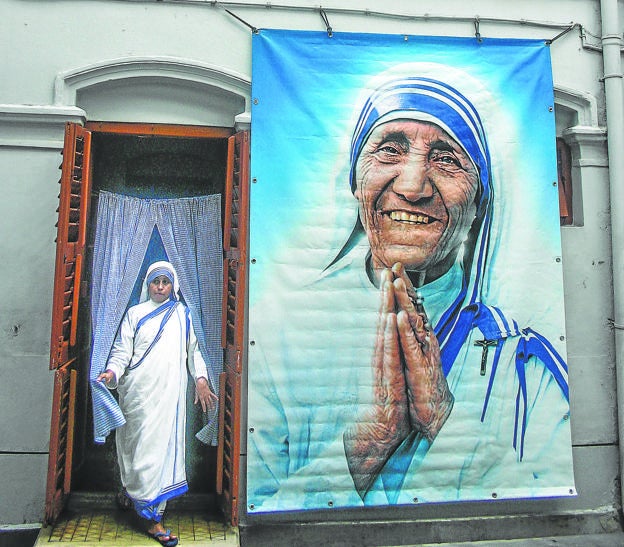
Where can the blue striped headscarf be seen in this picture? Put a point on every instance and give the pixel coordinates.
(162, 267)
(156, 272)
(427, 100)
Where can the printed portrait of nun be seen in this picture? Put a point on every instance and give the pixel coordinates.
(399, 374)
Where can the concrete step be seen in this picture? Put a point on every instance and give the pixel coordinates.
(589, 540)
(95, 520)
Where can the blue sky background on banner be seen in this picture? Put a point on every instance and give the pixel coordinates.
(307, 87)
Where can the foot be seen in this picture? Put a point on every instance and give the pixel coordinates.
(162, 536)
(123, 501)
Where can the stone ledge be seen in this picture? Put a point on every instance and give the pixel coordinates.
(431, 531)
(36, 126)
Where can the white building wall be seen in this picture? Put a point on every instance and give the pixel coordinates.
(72, 60)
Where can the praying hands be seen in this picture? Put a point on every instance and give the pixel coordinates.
(410, 390)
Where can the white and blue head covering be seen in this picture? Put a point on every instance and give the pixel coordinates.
(423, 97)
(156, 269)
(426, 99)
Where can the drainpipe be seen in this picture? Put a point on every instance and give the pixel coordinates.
(614, 98)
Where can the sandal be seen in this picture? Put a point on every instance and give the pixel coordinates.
(160, 538)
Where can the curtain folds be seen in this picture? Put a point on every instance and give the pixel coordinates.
(190, 229)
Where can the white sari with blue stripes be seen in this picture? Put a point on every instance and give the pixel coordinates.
(149, 359)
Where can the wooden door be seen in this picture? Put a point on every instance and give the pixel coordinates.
(233, 313)
(74, 200)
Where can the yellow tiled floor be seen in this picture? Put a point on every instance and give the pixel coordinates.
(104, 528)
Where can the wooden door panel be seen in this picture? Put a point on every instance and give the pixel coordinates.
(234, 299)
(73, 209)
(229, 444)
(61, 440)
(74, 198)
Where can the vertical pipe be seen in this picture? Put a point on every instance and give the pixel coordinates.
(614, 98)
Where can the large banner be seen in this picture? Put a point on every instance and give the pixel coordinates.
(406, 326)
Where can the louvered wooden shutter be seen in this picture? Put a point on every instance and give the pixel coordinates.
(61, 440)
(70, 242)
(234, 274)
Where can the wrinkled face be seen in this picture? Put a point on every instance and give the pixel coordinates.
(160, 289)
(416, 189)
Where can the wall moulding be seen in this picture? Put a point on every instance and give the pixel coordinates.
(32, 126)
(42, 126)
(583, 132)
(210, 88)
(589, 146)
(584, 105)
(211, 95)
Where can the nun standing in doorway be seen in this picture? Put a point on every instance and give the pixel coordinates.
(147, 366)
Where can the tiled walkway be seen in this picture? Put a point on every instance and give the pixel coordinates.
(104, 528)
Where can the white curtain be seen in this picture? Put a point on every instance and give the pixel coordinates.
(190, 229)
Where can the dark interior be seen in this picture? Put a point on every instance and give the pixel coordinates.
(146, 167)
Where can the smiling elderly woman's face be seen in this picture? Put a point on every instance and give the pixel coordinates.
(416, 189)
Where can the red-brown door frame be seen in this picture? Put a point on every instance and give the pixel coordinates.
(72, 228)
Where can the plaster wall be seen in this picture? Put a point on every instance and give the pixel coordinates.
(54, 44)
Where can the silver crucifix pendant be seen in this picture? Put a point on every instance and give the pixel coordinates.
(485, 344)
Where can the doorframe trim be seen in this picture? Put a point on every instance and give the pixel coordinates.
(160, 130)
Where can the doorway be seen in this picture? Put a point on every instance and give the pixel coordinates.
(144, 161)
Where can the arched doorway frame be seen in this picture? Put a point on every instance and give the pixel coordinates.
(93, 79)
(70, 83)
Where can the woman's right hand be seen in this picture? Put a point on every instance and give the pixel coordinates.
(108, 376)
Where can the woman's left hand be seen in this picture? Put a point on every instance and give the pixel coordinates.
(204, 395)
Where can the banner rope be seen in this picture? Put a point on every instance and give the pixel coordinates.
(563, 33)
(254, 30)
(477, 33)
(330, 32)
(566, 27)
(613, 325)
(374, 13)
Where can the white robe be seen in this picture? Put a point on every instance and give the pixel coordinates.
(152, 397)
